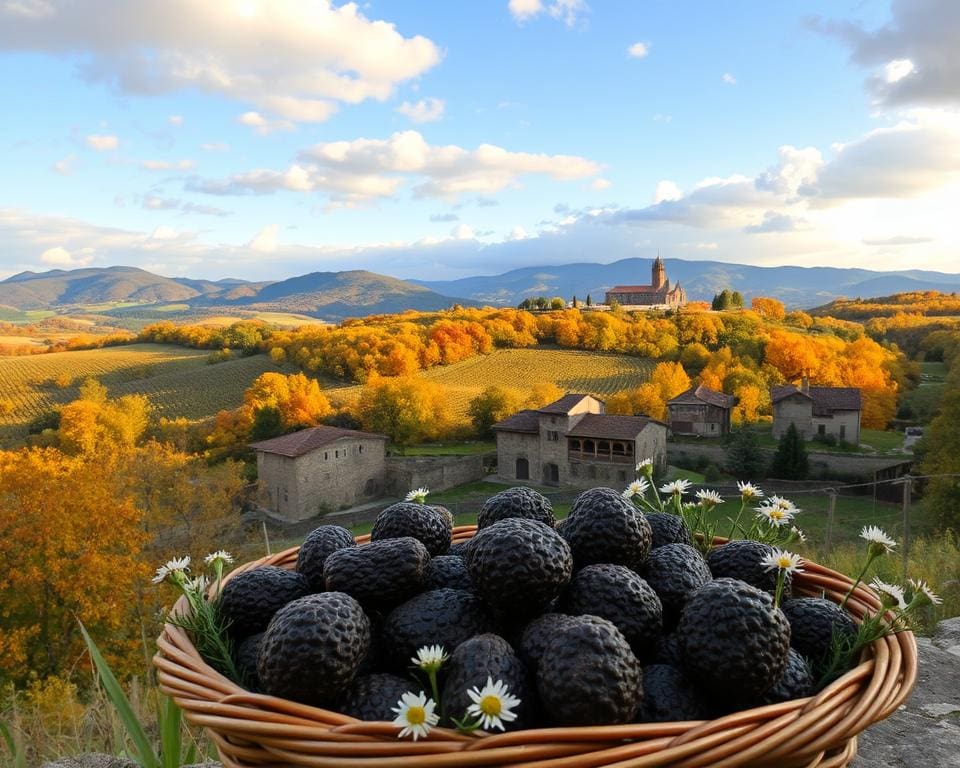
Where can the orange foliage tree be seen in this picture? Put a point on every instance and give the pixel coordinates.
(767, 308)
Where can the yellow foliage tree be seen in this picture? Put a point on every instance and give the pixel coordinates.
(407, 409)
(297, 397)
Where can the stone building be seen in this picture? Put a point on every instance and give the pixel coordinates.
(701, 411)
(817, 411)
(573, 442)
(658, 295)
(321, 469)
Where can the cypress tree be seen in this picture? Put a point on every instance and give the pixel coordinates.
(744, 456)
(790, 460)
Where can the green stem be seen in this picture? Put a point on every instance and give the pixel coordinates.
(432, 674)
(779, 592)
(857, 582)
(733, 528)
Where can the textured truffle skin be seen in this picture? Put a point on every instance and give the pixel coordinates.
(444, 617)
(617, 594)
(733, 640)
(669, 696)
(249, 599)
(521, 502)
(519, 566)
(536, 635)
(796, 682)
(813, 623)
(470, 665)
(459, 548)
(668, 529)
(668, 651)
(245, 656)
(312, 648)
(675, 571)
(446, 571)
(603, 527)
(588, 675)
(379, 574)
(316, 547)
(741, 559)
(432, 526)
(372, 697)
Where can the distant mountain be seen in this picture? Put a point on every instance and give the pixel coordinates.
(328, 295)
(795, 286)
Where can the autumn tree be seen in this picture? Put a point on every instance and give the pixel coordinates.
(94, 421)
(297, 399)
(406, 409)
(767, 308)
(494, 404)
(543, 393)
(671, 379)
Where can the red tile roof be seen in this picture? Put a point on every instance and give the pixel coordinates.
(636, 289)
(702, 394)
(306, 440)
(610, 426)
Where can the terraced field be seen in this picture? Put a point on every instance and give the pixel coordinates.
(178, 381)
(593, 373)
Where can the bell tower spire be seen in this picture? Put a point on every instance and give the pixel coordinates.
(658, 273)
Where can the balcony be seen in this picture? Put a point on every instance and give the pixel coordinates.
(607, 451)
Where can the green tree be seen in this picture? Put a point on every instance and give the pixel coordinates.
(941, 456)
(494, 404)
(589, 301)
(407, 409)
(557, 302)
(790, 461)
(574, 302)
(267, 423)
(736, 299)
(745, 459)
(723, 300)
(541, 302)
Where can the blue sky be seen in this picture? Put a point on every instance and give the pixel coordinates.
(265, 138)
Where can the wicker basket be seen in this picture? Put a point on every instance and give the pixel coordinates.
(258, 730)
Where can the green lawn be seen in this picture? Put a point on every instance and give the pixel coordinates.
(924, 401)
(451, 449)
(880, 441)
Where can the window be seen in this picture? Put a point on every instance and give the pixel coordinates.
(336, 454)
(822, 429)
(575, 445)
(843, 431)
(523, 469)
(360, 449)
(553, 436)
(326, 455)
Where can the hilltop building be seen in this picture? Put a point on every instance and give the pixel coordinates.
(573, 442)
(320, 469)
(701, 411)
(658, 295)
(817, 411)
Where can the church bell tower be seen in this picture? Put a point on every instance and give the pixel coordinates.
(659, 273)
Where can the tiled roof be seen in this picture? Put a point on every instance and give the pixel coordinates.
(522, 421)
(564, 404)
(702, 394)
(825, 399)
(609, 426)
(634, 289)
(306, 440)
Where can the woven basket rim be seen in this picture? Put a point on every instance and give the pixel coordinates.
(256, 729)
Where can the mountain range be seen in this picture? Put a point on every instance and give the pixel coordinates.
(356, 293)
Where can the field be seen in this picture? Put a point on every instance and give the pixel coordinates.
(178, 381)
(593, 373)
(924, 401)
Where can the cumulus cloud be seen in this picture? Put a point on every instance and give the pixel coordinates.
(522, 10)
(666, 190)
(164, 232)
(776, 222)
(567, 11)
(424, 111)
(638, 50)
(167, 165)
(366, 169)
(61, 257)
(102, 143)
(65, 166)
(295, 60)
(263, 125)
(729, 79)
(267, 240)
(914, 55)
(600, 184)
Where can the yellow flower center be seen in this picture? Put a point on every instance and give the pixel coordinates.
(416, 715)
(490, 705)
(776, 514)
(783, 562)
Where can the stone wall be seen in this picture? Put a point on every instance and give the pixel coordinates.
(519, 445)
(438, 473)
(795, 409)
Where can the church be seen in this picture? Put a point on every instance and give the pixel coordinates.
(657, 295)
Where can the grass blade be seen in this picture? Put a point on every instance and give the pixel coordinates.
(170, 733)
(145, 754)
(19, 756)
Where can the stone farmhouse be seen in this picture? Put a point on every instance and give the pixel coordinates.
(701, 411)
(320, 469)
(817, 411)
(573, 442)
(658, 295)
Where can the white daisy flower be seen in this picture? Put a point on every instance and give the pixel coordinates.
(430, 657)
(677, 487)
(198, 585)
(177, 565)
(891, 595)
(415, 715)
(785, 561)
(776, 516)
(419, 495)
(221, 554)
(782, 503)
(709, 497)
(645, 467)
(798, 534)
(922, 590)
(749, 491)
(879, 542)
(637, 488)
(492, 704)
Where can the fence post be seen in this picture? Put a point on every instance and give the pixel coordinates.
(831, 507)
(907, 487)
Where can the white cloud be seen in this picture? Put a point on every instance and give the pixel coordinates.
(263, 125)
(666, 190)
(897, 69)
(163, 232)
(102, 143)
(215, 146)
(600, 184)
(65, 166)
(567, 11)
(729, 79)
(518, 233)
(175, 120)
(365, 169)
(424, 111)
(522, 10)
(638, 50)
(462, 232)
(167, 165)
(61, 257)
(292, 59)
(267, 240)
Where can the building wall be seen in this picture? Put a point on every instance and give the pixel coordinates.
(553, 441)
(795, 409)
(278, 484)
(650, 443)
(437, 473)
(704, 420)
(514, 445)
(849, 421)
